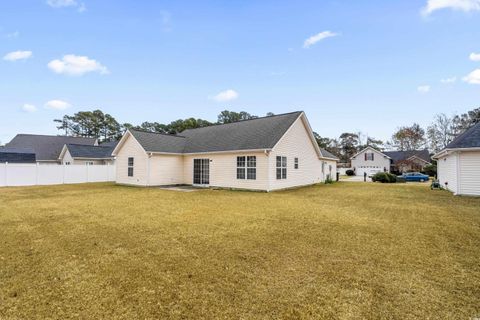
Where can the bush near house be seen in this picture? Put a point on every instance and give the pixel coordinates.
(350, 172)
(384, 177)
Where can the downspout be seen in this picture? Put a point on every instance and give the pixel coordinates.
(149, 155)
(267, 153)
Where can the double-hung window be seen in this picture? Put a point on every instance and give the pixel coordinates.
(130, 166)
(247, 167)
(281, 168)
(369, 156)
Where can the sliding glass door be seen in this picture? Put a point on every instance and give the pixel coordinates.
(201, 171)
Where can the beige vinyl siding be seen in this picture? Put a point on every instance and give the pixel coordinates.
(131, 148)
(166, 170)
(380, 162)
(67, 157)
(223, 170)
(469, 175)
(447, 172)
(296, 143)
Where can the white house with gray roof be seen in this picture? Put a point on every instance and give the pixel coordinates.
(269, 153)
(458, 165)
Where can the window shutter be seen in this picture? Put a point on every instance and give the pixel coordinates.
(365, 154)
(373, 155)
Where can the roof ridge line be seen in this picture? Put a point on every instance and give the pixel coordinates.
(244, 120)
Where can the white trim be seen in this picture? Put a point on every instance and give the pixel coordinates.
(447, 151)
(417, 157)
(373, 149)
(309, 130)
(213, 152)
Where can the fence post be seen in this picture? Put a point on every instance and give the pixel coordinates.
(6, 174)
(36, 173)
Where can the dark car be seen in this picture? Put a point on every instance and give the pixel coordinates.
(415, 176)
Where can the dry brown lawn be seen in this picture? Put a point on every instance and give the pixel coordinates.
(342, 251)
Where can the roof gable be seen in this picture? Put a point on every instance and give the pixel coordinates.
(371, 149)
(404, 155)
(254, 134)
(88, 152)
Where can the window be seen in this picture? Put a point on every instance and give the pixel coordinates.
(296, 163)
(247, 167)
(67, 163)
(130, 166)
(281, 168)
(369, 156)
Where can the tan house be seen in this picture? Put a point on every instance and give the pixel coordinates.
(458, 165)
(269, 153)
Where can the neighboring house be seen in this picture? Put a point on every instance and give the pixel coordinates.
(458, 165)
(47, 148)
(371, 161)
(408, 161)
(269, 153)
(88, 155)
(14, 155)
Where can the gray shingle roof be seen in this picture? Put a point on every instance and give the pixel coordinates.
(90, 152)
(254, 134)
(468, 139)
(46, 147)
(327, 154)
(159, 142)
(14, 155)
(403, 155)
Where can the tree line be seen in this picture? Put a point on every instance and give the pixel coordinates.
(442, 130)
(103, 126)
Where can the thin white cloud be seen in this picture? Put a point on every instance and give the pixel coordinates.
(473, 77)
(57, 105)
(318, 37)
(74, 65)
(67, 3)
(449, 80)
(462, 5)
(13, 35)
(423, 89)
(29, 108)
(17, 55)
(475, 57)
(226, 95)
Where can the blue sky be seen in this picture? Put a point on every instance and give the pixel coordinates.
(369, 66)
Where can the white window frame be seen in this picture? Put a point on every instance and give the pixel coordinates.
(130, 166)
(246, 167)
(281, 168)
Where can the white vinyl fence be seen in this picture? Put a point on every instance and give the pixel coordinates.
(13, 174)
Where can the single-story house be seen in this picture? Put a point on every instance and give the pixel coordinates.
(47, 148)
(88, 155)
(371, 161)
(458, 165)
(15, 155)
(269, 153)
